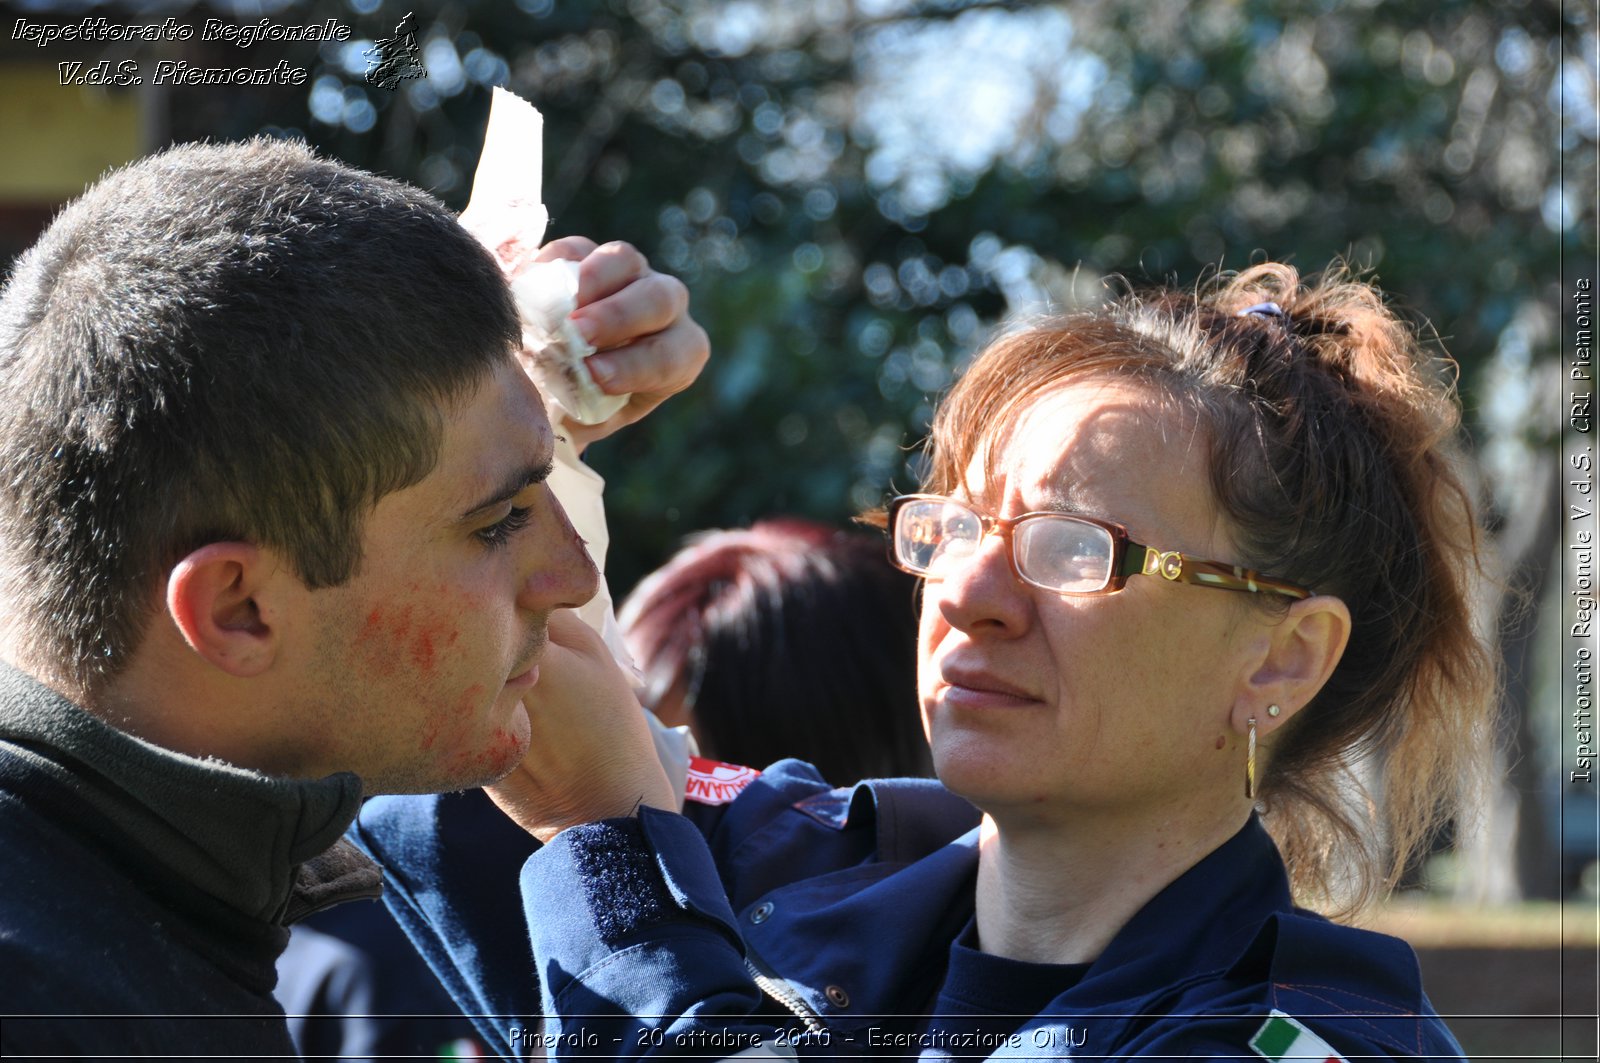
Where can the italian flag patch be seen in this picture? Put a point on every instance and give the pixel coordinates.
(1282, 1037)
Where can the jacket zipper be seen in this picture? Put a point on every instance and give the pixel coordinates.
(776, 988)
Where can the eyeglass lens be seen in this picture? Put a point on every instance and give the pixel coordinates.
(932, 536)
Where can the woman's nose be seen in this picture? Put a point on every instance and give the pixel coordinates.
(981, 592)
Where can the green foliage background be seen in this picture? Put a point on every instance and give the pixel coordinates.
(793, 163)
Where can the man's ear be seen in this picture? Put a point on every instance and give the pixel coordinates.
(1302, 651)
(213, 598)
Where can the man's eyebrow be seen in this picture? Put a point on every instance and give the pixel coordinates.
(513, 485)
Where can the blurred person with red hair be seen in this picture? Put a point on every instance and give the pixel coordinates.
(729, 633)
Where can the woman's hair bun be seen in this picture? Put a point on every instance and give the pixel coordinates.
(1343, 326)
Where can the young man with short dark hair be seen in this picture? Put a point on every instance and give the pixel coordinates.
(274, 534)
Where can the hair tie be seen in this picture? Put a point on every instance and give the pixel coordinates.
(1265, 310)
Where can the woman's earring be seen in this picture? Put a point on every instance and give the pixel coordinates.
(1250, 764)
(1273, 711)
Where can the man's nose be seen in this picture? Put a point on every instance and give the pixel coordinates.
(560, 573)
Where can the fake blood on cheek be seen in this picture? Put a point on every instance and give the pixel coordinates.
(389, 636)
(456, 717)
(495, 759)
(413, 644)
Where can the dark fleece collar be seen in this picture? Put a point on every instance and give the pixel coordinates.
(269, 848)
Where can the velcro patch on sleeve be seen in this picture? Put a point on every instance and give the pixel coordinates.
(711, 782)
(621, 880)
(1283, 1037)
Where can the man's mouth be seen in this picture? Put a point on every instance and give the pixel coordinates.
(528, 675)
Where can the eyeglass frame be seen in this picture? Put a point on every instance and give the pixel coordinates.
(1171, 565)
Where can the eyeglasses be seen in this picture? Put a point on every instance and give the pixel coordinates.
(932, 536)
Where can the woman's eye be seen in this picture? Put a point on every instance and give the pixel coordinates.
(498, 533)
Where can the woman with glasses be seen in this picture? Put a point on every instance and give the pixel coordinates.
(1185, 560)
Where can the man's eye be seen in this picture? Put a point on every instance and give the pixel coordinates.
(498, 533)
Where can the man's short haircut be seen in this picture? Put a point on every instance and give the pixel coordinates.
(222, 342)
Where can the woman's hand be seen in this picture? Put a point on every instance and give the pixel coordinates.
(590, 756)
(649, 347)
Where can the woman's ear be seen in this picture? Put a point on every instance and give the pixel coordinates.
(213, 598)
(1302, 651)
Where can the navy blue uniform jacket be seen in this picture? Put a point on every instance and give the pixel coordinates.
(823, 922)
